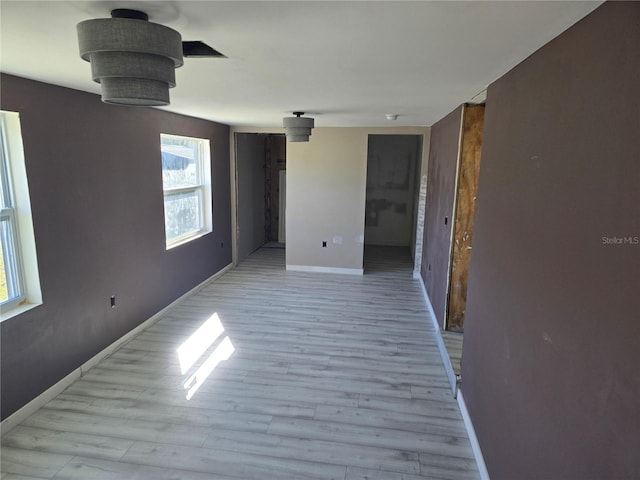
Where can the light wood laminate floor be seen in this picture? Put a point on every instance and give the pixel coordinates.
(327, 377)
(453, 342)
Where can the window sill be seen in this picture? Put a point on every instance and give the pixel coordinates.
(188, 239)
(14, 312)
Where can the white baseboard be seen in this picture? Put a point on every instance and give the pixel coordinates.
(312, 268)
(19, 415)
(444, 355)
(30, 408)
(475, 445)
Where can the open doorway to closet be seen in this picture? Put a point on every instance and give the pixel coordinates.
(261, 191)
(393, 176)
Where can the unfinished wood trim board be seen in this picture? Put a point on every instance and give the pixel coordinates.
(453, 217)
(464, 212)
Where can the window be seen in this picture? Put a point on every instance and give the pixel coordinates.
(11, 284)
(186, 181)
(19, 281)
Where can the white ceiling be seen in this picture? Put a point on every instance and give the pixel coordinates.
(344, 63)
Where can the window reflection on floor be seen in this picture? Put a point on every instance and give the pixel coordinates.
(196, 347)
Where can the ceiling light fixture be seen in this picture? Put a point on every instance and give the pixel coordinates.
(132, 59)
(298, 128)
(391, 116)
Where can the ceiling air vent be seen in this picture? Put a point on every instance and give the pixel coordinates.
(199, 50)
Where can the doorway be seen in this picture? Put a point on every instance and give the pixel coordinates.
(261, 198)
(393, 174)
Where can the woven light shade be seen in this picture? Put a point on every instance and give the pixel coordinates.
(298, 128)
(134, 60)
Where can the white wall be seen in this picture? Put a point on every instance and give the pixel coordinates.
(326, 191)
(418, 231)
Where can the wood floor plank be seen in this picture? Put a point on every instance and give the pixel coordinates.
(415, 406)
(82, 468)
(330, 371)
(448, 467)
(151, 411)
(358, 473)
(159, 431)
(332, 384)
(89, 389)
(394, 420)
(32, 463)
(55, 441)
(263, 389)
(223, 401)
(321, 376)
(371, 436)
(317, 451)
(453, 343)
(227, 462)
(430, 392)
(11, 476)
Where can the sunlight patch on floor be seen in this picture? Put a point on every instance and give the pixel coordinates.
(196, 346)
(192, 349)
(221, 353)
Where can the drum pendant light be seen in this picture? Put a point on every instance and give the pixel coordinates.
(298, 128)
(132, 59)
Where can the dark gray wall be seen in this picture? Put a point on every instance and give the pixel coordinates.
(441, 184)
(250, 167)
(552, 338)
(95, 182)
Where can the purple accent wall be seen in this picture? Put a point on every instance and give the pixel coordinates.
(441, 184)
(95, 182)
(552, 338)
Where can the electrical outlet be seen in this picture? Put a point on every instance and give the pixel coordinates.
(113, 301)
(324, 244)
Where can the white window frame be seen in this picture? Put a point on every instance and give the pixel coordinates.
(202, 190)
(16, 209)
